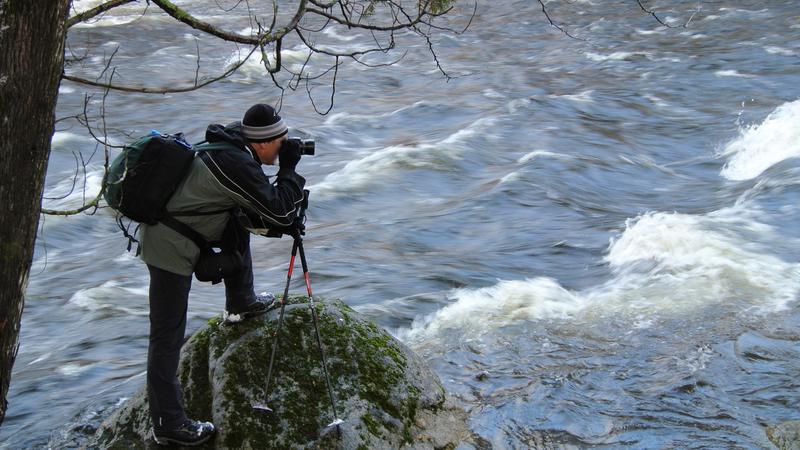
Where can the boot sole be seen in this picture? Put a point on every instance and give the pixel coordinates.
(171, 441)
(248, 315)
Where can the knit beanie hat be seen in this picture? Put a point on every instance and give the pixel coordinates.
(261, 123)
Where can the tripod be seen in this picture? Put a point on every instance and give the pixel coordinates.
(297, 230)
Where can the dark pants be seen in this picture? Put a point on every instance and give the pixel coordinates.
(169, 299)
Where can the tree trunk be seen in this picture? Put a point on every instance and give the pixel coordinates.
(32, 36)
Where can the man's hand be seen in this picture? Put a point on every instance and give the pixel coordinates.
(289, 154)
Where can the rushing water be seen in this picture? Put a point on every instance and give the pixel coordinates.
(592, 241)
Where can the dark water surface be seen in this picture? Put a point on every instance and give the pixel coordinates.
(592, 242)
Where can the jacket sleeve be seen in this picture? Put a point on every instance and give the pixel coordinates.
(250, 188)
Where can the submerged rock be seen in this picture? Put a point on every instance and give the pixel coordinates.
(386, 396)
(785, 436)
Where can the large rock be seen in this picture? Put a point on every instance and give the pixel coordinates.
(385, 394)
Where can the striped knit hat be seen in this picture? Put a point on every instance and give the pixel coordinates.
(261, 123)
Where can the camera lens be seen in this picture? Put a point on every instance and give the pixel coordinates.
(307, 147)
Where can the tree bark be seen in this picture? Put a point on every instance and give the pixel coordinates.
(32, 36)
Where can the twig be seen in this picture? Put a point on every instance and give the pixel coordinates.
(658, 19)
(333, 91)
(555, 25)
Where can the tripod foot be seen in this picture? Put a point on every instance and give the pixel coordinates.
(262, 407)
(335, 423)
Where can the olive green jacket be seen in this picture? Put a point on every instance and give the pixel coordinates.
(224, 175)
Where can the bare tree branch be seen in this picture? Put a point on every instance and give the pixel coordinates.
(265, 58)
(435, 57)
(151, 90)
(96, 11)
(232, 7)
(395, 27)
(95, 202)
(353, 55)
(183, 16)
(333, 91)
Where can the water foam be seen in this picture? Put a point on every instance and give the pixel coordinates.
(253, 68)
(761, 146)
(433, 155)
(663, 263)
(689, 261)
(60, 138)
(72, 192)
(775, 50)
(346, 118)
(478, 311)
(119, 15)
(581, 97)
(616, 56)
(541, 154)
(103, 298)
(731, 73)
(74, 369)
(80, 6)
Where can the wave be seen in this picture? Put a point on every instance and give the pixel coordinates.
(378, 163)
(663, 263)
(617, 56)
(102, 298)
(296, 59)
(73, 190)
(253, 69)
(120, 15)
(61, 138)
(541, 154)
(761, 146)
(582, 97)
(775, 50)
(424, 108)
(731, 73)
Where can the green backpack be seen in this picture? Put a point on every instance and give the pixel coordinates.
(144, 176)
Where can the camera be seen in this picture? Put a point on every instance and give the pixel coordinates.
(307, 146)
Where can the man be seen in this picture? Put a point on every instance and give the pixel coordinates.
(225, 175)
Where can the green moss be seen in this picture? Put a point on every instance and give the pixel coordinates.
(440, 6)
(372, 425)
(297, 415)
(193, 374)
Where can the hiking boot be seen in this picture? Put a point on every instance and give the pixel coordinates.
(267, 298)
(263, 303)
(190, 434)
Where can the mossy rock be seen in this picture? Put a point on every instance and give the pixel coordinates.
(385, 394)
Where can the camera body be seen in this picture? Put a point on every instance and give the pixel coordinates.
(307, 146)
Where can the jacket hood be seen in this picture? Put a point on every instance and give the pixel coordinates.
(232, 134)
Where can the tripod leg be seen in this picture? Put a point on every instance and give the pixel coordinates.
(336, 421)
(263, 406)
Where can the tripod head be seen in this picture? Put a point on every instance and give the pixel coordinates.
(298, 226)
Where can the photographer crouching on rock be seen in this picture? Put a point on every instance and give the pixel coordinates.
(225, 176)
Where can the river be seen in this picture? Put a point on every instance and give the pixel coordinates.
(592, 240)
